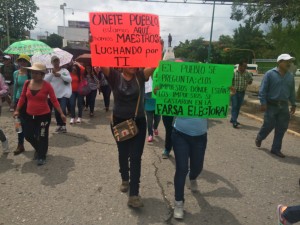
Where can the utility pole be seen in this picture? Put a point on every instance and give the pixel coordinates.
(211, 31)
(47, 34)
(7, 26)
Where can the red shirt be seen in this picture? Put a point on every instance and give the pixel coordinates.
(38, 104)
(75, 82)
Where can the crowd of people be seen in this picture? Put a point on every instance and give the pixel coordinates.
(32, 91)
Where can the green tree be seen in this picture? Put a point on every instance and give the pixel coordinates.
(265, 11)
(195, 50)
(21, 17)
(54, 41)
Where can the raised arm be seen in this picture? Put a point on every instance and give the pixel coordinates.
(148, 72)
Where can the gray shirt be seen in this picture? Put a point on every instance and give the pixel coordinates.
(126, 94)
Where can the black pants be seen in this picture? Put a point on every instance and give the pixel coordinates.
(168, 124)
(36, 131)
(131, 151)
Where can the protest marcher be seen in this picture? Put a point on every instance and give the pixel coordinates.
(189, 137)
(38, 114)
(20, 77)
(60, 80)
(276, 90)
(105, 89)
(241, 79)
(152, 119)
(3, 92)
(127, 88)
(287, 215)
(93, 81)
(7, 70)
(76, 98)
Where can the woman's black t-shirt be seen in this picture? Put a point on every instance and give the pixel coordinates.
(126, 94)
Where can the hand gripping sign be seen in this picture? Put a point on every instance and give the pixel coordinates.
(125, 39)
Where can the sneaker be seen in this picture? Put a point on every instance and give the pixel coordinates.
(150, 138)
(63, 129)
(72, 120)
(178, 210)
(91, 114)
(258, 143)
(78, 120)
(165, 154)
(235, 125)
(19, 149)
(155, 132)
(41, 162)
(281, 220)
(192, 184)
(5, 146)
(124, 186)
(135, 202)
(58, 129)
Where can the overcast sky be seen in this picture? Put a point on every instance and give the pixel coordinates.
(183, 21)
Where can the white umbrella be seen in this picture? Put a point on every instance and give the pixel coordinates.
(64, 56)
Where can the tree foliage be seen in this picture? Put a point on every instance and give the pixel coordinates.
(54, 41)
(265, 11)
(21, 17)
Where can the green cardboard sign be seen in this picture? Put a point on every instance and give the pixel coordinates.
(192, 89)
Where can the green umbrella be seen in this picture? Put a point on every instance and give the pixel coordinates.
(28, 47)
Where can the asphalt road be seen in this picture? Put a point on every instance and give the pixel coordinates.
(79, 185)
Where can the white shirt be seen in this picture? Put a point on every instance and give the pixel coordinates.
(61, 85)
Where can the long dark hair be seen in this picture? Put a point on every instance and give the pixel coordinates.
(78, 72)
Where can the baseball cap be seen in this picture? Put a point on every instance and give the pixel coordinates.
(7, 57)
(54, 58)
(285, 57)
(23, 56)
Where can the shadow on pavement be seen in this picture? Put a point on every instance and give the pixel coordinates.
(153, 212)
(67, 140)
(54, 172)
(288, 158)
(214, 122)
(6, 164)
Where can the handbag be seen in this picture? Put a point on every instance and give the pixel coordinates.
(22, 110)
(84, 88)
(128, 128)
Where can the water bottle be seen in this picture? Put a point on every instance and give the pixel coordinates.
(18, 125)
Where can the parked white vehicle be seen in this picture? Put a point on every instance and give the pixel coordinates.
(252, 68)
(297, 73)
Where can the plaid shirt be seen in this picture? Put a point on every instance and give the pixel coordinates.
(241, 80)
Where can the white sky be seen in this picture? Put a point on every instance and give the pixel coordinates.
(183, 21)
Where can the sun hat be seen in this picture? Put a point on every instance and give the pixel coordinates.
(54, 58)
(285, 57)
(23, 56)
(37, 67)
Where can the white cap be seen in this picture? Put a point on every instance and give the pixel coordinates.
(285, 57)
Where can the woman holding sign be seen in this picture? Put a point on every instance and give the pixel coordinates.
(128, 87)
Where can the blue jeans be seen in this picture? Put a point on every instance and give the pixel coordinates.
(188, 150)
(152, 121)
(91, 99)
(168, 124)
(292, 214)
(131, 151)
(76, 98)
(275, 117)
(236, 103)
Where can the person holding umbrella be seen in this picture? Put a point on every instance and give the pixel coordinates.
(60, 80)
(38, 113)
(20, 77)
